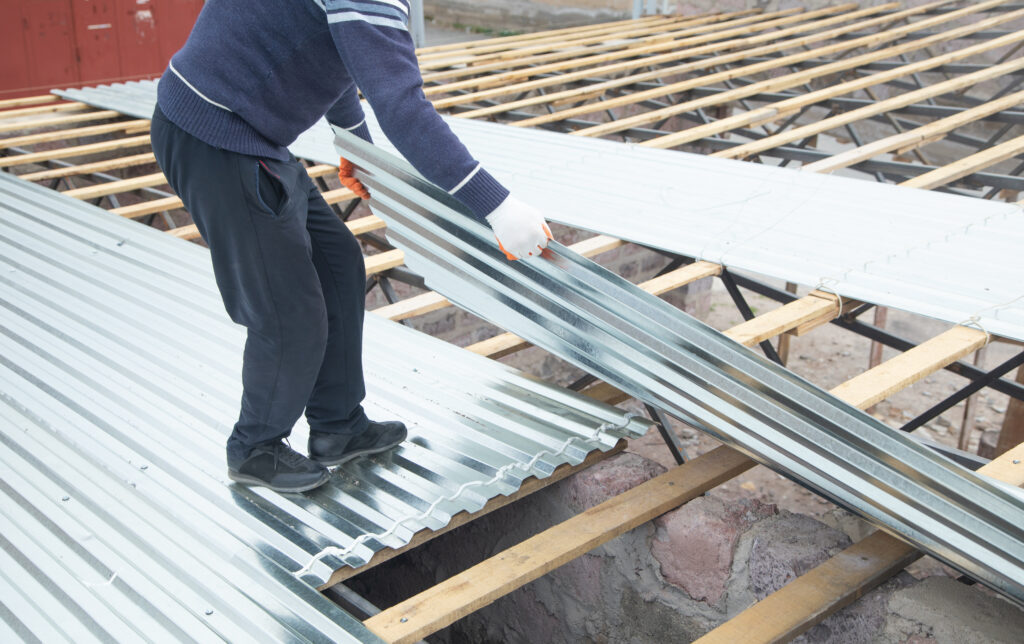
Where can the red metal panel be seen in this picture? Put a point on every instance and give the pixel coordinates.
(65, 43)
(96, 40)
(42, 55)
(138, 37)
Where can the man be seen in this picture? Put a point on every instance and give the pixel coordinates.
(252, 76)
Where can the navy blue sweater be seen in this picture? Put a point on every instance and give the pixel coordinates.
(254, 74)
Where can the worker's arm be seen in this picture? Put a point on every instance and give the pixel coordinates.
(378, 52)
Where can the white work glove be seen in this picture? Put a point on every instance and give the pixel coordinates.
(519, 228)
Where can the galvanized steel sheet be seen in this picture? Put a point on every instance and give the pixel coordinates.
(611, 328)
(119, 382)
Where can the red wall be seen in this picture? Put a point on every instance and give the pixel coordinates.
(46, 44)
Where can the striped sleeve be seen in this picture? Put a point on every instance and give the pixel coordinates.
(382, 13)
(374, 44)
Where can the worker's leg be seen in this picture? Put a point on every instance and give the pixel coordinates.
(339, 429)
(335, 403)
(252, 214)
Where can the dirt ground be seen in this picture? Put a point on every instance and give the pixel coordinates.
(827, 357)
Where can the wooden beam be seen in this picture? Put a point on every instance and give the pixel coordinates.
(962, 167)
(151, 207)
(560, 47)
(27, 100)
(89, 168)
(477, 587)
(901, 100)
(513, 68)
(916, 137)
(838, 582)
(115, 187)
(529, 486)
(74, 151)
(502, 81)
(66, 119)
(512, 41)
(895, 374)
(43, 109)
(383, 261)
(128, 127)
(717, 59)
(1012, 431)
(795, 104)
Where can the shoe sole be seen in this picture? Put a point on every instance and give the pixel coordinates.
(252, 480)
(363, 452)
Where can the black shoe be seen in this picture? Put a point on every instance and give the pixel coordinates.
(280, 468)
(335, 449)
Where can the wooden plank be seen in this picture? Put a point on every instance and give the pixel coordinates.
(27, 100)
(383, 261)
(338, 195)
(115, 187)
(365, 224)
(516, 67)
(909, 367)
(820, 592)
(128, 127)
(74, 151)
(411, 307)
(89, 168)
(770, 324)
(44, 109)
(66, 119)
(189, 232)
(513, 40)
(529, 486)
(528, 54)
(503, 79)
(967, 165)
(468, 591)
(716, 60)
(150, 207)
(594, 90)
(838, 582)
(901, 100)
(796, 103)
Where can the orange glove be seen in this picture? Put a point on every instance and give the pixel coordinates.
(345, 173)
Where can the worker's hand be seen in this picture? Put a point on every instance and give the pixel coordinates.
(520, 229)
(345, 170)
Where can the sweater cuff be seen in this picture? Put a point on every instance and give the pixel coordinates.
(482, 193)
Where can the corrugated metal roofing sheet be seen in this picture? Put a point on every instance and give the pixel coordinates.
(119, 382)
(936, 254)
(611, 328)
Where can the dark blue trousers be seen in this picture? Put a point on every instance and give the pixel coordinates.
(290, 271)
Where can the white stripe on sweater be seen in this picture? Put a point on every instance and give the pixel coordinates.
(193, 88)
(459, 186)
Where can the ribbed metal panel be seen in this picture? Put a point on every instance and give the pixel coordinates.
(611, 328)
(949, 257)
(119, 382)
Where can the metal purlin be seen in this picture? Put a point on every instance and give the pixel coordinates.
(607, 326)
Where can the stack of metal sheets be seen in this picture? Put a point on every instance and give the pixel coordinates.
(609, 327)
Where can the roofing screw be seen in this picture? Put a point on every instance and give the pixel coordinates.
(404, 620)
(65, 498)
(1016, 461)
(209, 611)
(143, 467)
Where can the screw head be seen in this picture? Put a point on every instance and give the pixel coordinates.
(1016, 461)
(404, 620)
(209, 611)
(65, 498)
